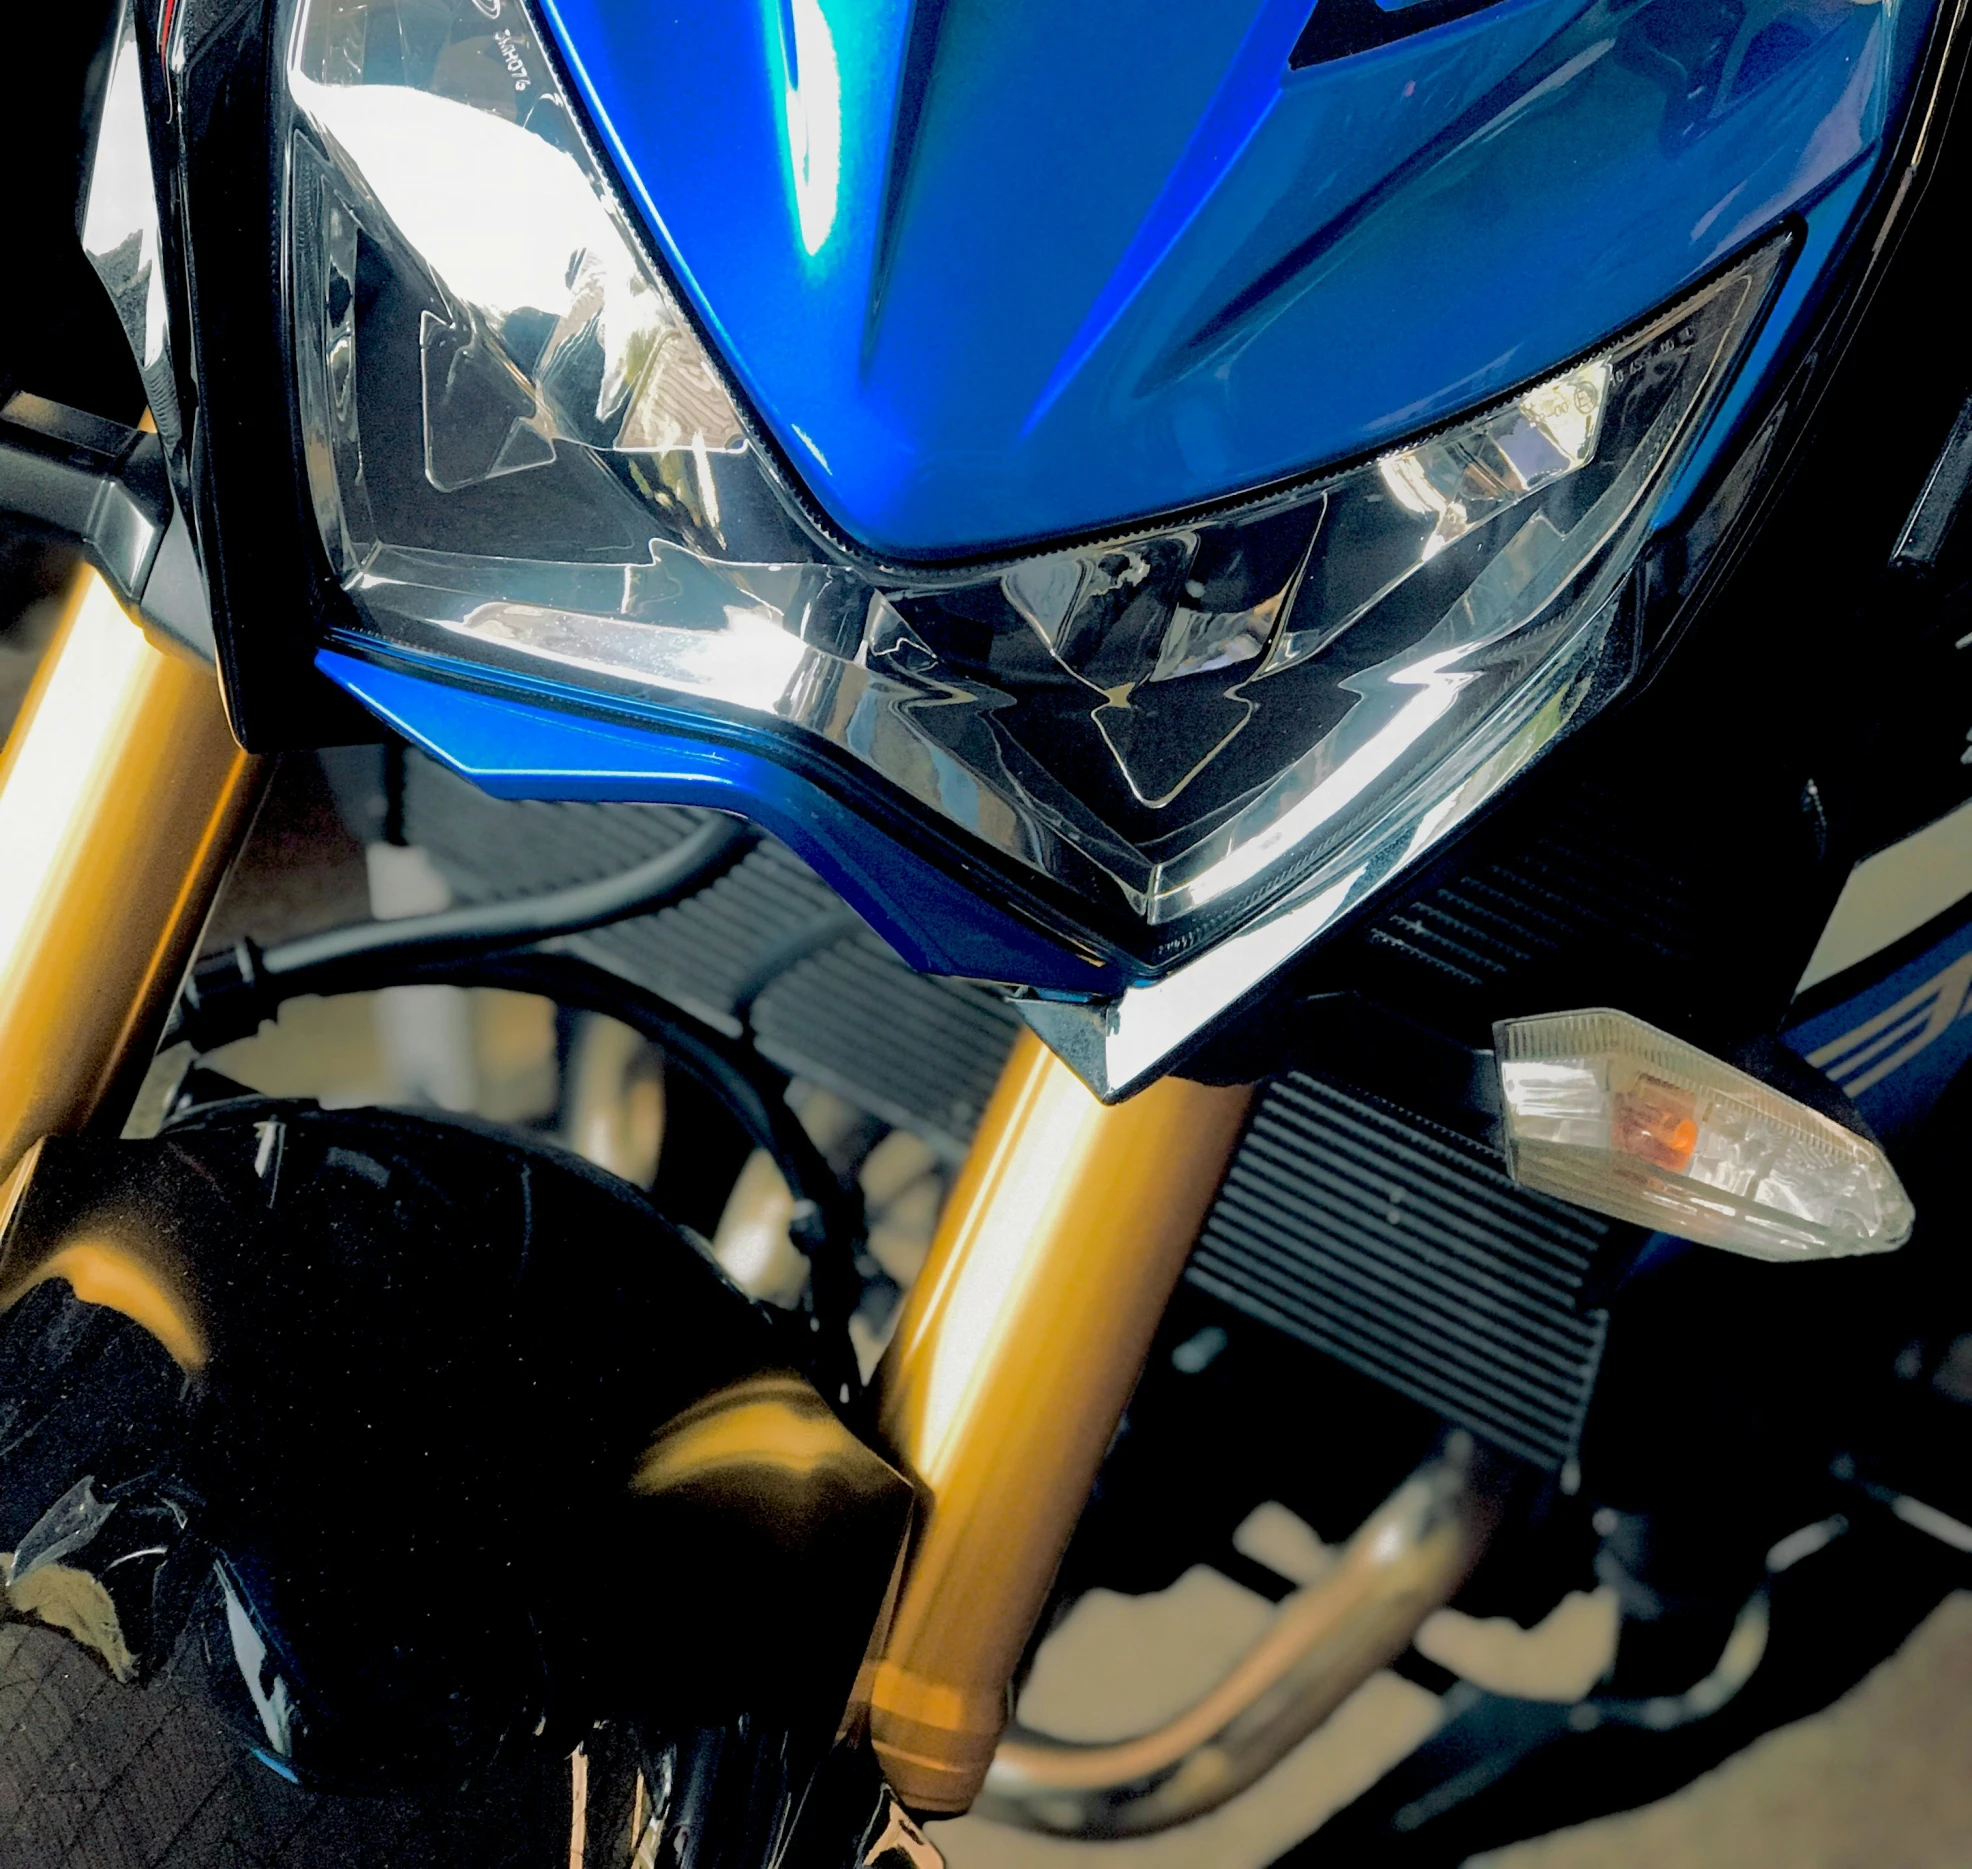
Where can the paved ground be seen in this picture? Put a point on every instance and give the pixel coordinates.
(1881, 1780)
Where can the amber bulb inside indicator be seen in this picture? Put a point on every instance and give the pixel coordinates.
(1656, 1122)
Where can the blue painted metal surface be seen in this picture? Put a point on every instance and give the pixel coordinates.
(1896, 1044)
(515, 749)
(995, 270)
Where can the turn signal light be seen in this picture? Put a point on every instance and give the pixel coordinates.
(1606, 1111)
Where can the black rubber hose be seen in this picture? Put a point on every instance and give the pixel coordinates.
(230, 994)
(827, 1224)
(750, 1088)
(497, 945)
(810, 938)
(658, 883)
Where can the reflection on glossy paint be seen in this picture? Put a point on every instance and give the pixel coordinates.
(126, 1278)
(1115, 272)
(814, 118)
(120, 219)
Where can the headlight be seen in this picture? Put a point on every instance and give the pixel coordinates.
(522, 454)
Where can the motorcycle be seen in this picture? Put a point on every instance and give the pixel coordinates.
(1304, 665)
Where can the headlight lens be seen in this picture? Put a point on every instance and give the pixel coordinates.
(520, 452)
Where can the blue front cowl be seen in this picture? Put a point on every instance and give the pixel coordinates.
(1000, 270)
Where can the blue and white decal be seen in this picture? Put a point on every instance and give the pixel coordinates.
(1895, 1044)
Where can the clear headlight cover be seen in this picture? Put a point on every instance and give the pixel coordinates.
(519, 451)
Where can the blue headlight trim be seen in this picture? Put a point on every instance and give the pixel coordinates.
(515, 749)
(1105, 276)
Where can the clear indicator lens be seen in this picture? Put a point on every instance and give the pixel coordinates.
(1613, 1114)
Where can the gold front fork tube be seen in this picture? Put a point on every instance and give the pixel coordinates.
(1011, 1366)
(122, 799)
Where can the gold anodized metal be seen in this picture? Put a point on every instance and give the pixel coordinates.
(1016, 1353)
(122, 798)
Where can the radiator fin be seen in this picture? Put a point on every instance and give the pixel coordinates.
(1403, 1250)
(920, 1053)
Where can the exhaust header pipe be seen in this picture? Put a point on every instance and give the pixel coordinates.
(1407, 1560)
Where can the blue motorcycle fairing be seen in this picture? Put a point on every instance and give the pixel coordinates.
(513, 748)
(998, 273)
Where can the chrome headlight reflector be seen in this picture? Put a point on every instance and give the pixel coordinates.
(521, 453)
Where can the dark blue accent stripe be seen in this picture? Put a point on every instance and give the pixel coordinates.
(513, 749)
